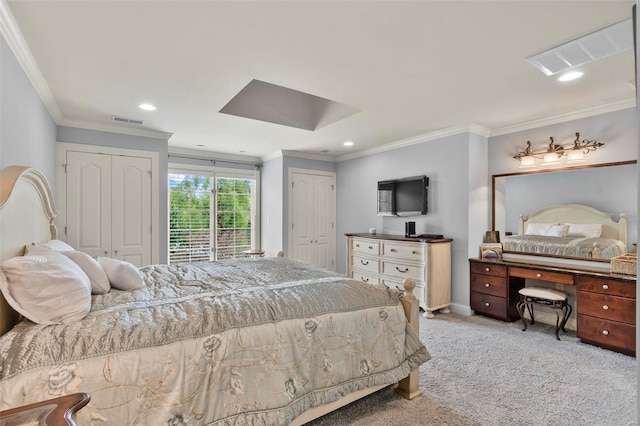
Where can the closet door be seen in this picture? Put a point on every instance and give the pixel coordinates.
(89, 202)
(131, 209)
(302, 200)
(323, 223)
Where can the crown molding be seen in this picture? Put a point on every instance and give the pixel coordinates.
(102, 127)
(18, 45)
(569, 116)
(272, 156)
(438, 134)
(308, 156)
(213, 156)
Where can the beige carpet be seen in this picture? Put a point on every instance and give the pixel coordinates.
(487, 372)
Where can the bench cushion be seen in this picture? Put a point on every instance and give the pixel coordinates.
(544, 293)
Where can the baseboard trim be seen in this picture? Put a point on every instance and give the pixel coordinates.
(462, 309)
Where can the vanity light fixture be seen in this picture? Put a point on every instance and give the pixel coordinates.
(554, 153)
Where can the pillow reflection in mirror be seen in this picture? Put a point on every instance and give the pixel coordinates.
(538, 228)
(558, 231)
(586, 230)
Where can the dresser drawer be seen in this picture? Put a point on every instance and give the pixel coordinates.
(403, 271)
(409, 252)
(607, 286)
(613, 308)
(607, 333)
(489, 284)
(554, 277)
(487, 304)
(418, 291)
(365, 247)
(488, 269)
(364, 277)
(365, 264)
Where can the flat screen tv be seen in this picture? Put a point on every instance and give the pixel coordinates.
(403, 197)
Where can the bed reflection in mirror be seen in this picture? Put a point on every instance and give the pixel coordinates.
(572, 212)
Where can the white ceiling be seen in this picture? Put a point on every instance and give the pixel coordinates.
(410, 67)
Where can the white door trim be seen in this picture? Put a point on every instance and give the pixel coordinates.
(61, 190)
(332, 175)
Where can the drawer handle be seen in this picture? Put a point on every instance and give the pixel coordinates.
(605, 307)
(414, 252)
(392, 250)
(364, 263)
(487, 269)
(486, 304)
(399, 270)
(366, 280)
(370, 247)
(538, 275)
(486, 285)
(605, 332)
(357, 245)
(605, 287)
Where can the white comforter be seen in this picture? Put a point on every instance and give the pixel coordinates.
(234, 342)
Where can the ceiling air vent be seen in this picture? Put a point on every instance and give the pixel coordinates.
(126, 120)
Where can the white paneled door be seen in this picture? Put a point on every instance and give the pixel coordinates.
(312, 198)
(109, 205)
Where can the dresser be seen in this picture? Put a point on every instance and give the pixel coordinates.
(605, 302)
(389, 259)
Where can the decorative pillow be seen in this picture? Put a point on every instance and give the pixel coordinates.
(558, 231)
(46, 287)
(122, 275)
(587, 230)
(91, 267)
(56, 245)
(538, 228)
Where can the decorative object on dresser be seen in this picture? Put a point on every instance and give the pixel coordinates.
(491, 251)
(625, 264)
(606, 303)
(388, 259)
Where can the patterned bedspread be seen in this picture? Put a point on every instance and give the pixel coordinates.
(605, 248)
(247, 341)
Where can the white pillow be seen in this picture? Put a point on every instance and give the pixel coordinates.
(46, 287)
(122, 275)
(558, 231)
(587, 230)
(538, 228)
(91, 267)
(56, 245)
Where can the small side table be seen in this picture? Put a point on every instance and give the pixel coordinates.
(52, 412)
(253, 253)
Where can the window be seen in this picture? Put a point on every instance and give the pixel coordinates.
(212, 216)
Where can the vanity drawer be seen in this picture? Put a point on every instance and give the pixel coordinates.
(365, 264)
(487, 304)
(554, 277)
(488, 269)
(607, 333)
(365, 278)
(411, 252)
(403, 271)
(489, 284)
(607, 307)
(607, 286)
(365, 247)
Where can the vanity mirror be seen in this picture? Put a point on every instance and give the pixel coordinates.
(580, 212)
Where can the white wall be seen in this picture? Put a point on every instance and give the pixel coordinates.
(27, 131)
(271, 205)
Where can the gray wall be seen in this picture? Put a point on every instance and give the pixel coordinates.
(271, 206)
(456, 176)
(27, 131)
(117, 140)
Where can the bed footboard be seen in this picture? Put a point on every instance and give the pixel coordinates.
(409, 387)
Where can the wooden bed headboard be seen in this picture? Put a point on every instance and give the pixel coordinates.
(578, 213)
(27, 211)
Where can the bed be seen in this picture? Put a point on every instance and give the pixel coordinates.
(570, 230)
(245, 341)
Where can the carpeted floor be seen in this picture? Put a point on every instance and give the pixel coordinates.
(487, 372)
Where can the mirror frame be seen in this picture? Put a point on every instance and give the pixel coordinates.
(532, 172)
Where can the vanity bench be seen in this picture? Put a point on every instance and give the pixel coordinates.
(605, 302)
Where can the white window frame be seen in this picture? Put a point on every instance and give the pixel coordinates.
(214, 172)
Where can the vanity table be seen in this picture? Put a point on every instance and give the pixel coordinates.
(606, 302)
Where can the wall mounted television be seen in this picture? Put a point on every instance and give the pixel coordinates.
(403, 197)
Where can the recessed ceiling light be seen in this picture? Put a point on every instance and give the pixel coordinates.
(571, 75)
(200, 145)
(147, 107)
(348, 143)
